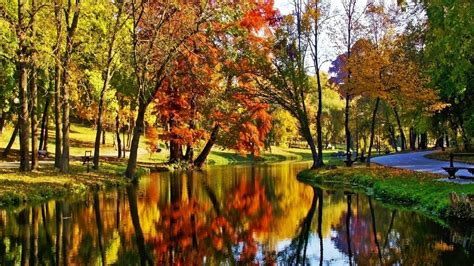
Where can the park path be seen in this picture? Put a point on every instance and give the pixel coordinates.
(417, 161)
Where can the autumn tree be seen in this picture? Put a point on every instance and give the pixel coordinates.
(71, 15)
(282, 78)
(115, 26)
(350, 17)
(211, 63)
(158, 32)
(21, 17)
(315, 19)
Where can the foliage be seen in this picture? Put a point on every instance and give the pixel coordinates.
(420, 191)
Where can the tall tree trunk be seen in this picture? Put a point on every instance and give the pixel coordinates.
(207, 149)
(117, 133)
(7, 149)
(34, 94)
(400, 129)
(57, 119)
(174, 157)
(189, 156)
(137, 132)
(319, 130)
(306, 132)
(107, 77)
(372, 130)
(357, 135)
(2, 121)
(71, 29)
(23, 118)
(57, 82)
(46, 135)
(349, 11)
(412, 139)
(347, 128)
(124, 147)
(424, 141)
(34, 119)
(44, 123)
(22, 66)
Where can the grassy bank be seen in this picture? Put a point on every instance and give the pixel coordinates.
(83, 136)
(418, 191)
(48, 184)
(277, 154)
(444, 156)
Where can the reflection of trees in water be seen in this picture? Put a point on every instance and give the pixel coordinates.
(100, 228)
(379, 236)
(186, 217)
(224, 230)
(357, 232)
(296, 252)
(145, 259)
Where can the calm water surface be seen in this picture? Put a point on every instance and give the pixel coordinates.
(227, 215)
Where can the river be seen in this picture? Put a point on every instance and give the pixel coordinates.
(228, 215)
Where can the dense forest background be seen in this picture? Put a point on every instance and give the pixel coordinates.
(235, 74)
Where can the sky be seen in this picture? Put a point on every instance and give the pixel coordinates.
(329, 47)
(330, 51)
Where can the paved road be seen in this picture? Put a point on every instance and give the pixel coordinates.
(417, 161)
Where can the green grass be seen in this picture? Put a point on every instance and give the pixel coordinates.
(444, 156)
(418, 191)
(277, 154)
(47, 183)
(83, 137)
(39, 186)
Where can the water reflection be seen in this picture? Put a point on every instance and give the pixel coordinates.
(237, 215)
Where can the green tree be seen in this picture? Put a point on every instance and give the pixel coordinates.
(450, 58)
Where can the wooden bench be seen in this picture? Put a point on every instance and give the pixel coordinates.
(451, 170)
(42, 154)
(350, 162)
(86, 159)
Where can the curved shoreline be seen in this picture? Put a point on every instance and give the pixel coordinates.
(415, 190)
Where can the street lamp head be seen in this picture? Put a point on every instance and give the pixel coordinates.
(16, 100)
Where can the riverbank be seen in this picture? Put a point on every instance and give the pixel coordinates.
(39, 186)
(415, 190)
(444, 156)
